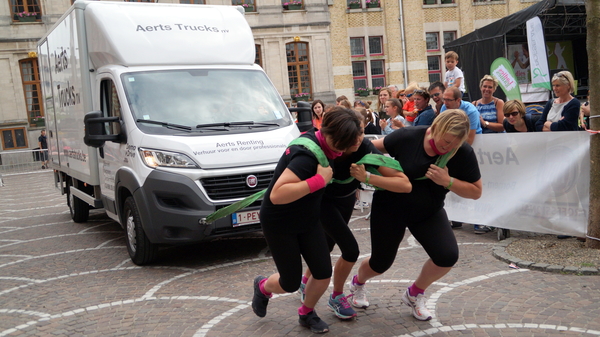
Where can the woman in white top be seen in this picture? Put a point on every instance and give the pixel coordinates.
(561, 113)
(393, 108)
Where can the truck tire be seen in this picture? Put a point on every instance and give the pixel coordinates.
(80, 210)
(140, 249)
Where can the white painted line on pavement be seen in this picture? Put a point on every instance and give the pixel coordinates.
(57, 236)
(432, 302)
(122, 263)
(34, 226)
(96, 226)
(108, 241)
(36, 216)
(25, 279)
(460, 327)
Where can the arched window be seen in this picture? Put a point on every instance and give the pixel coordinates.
(31, 86)
(298, 65)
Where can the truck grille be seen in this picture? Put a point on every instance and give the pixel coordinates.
(234, 186)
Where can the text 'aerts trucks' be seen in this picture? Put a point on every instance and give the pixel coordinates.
(180, 121)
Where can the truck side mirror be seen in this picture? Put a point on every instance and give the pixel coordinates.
(304, 116)
(95, 129)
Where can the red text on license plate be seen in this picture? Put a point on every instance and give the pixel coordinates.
(245, 218)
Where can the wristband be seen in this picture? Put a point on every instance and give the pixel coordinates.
(450, 183)
(368, 177)
(315, 183)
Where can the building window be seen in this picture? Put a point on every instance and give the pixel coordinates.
(357, 46)
(14, 139)
(140, 1)
(375, 45)
(449, 37)
(31, 88)
(25, 10)
(353, 4)
(359, 74)
(257, 55)
(193, 2)
(435, 2)
(290, 5)
(377, 73)
(432, 41)
(249, 5)
(373, 3)
(434, 69)
(369, 72)
(298, 67)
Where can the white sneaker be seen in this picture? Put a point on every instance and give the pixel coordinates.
(361, 205)
(359, 295)
(418, 305)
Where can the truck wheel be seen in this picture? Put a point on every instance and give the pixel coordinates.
(80, 210)
(140, 249)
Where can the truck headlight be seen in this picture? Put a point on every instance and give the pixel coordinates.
(156, 158)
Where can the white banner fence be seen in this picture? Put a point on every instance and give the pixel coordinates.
(536, 182)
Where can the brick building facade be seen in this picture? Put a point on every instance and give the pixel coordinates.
(325, 48)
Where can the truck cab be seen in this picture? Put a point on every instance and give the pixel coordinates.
(158, 115)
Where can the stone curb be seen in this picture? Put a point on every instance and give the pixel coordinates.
(499, 252)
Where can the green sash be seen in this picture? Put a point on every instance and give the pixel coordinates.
(440, 162)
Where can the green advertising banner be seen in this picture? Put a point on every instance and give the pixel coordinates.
(503, 71)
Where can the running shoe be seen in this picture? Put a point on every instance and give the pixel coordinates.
(259, 300)
(481, 229)
(340, 306)
(455, 224)
(359, 295)
(301, 292)
(418, 306)
(312, 321)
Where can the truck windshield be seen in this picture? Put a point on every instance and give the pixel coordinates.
(196, 97)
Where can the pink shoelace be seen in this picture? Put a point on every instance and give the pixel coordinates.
(344, 301)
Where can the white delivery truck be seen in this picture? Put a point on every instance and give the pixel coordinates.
(179, 121)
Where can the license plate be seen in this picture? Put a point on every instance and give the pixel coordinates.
(245, 218)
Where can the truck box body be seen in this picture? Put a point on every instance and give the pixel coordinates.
(197, 124)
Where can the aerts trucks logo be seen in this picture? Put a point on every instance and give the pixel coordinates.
(179, 27)
(67, 96)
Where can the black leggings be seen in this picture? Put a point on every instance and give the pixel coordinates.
(387, 231)
(288, 249)
(335, 215)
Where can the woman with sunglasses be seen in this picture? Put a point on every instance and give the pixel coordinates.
(562, 113)
(516, 118)
(401, 95)
(490, 108)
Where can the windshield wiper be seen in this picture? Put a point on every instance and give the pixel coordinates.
(165, 124)
(230, 124)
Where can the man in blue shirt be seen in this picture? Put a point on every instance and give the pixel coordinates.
(453, 100)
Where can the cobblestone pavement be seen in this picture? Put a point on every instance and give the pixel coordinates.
(62, 278)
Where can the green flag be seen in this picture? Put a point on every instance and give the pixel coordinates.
(503, 71)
